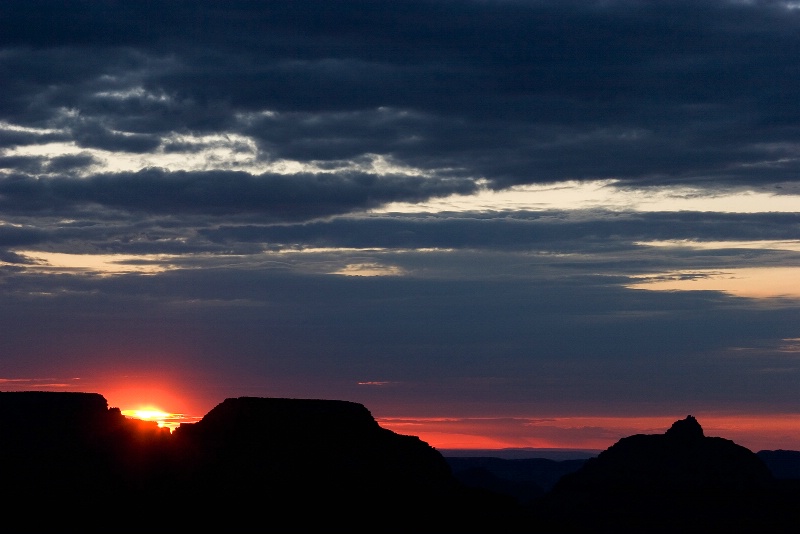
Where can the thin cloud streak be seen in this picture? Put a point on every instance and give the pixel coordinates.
(607, 194)
(758, 283)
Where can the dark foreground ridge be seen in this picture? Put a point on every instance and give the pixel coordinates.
(270, 464)
(70, 463)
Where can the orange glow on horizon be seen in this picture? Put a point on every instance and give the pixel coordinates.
(137, 395)
(162, 418)
(187, 398)
(147, 414)
(755, 432)
(153, 397)
(148, 394)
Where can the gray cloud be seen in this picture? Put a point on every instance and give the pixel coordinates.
(518, 231)
(516, 92)
(275, 196)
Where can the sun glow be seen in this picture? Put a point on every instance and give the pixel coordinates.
(162, 418)
(149, 415)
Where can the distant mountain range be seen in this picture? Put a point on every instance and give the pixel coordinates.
(522, 453)
(69, 463)
(527, 473)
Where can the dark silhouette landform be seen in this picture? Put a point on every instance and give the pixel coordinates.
(679, 481)
(70, 463)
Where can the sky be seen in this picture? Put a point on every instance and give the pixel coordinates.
(495, 223)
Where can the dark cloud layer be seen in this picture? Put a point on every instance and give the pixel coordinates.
(553, 230)
(219, 192)
(238, 153)
(516, 92)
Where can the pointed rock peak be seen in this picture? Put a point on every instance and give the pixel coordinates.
(686, 429)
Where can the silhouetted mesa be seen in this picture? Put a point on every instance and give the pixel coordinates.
(250, 462)
(667, 483)
(331, 457)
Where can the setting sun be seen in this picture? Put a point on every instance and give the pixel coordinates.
(162, 418)
(147, 415)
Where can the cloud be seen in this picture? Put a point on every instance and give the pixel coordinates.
(66, 164)
(278, 197)
(96, 136)
(510, 92)
(557, 231)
